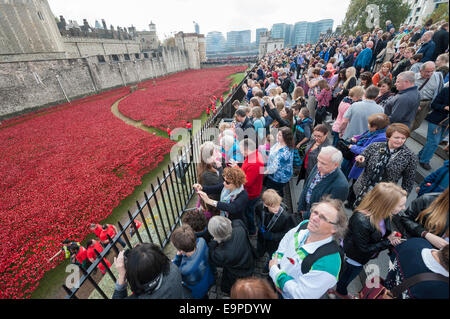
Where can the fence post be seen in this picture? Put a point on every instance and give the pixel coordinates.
(147, 202)
(124, 235)
(159, 212)
(169, 197)
(134, 227)
(144, 221)
(105, 265)
(88, 276)
(113, 244)
(69, 292)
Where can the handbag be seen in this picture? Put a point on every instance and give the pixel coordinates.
(342, 145)
(381, 292)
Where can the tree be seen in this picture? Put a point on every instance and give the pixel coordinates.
(357, 15)
(440, 13)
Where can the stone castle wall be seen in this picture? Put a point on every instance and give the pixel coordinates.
(26, 85)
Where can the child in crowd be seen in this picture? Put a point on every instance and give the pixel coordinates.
(273, 222)
(323, 96)
(198, 220)
(192, 260)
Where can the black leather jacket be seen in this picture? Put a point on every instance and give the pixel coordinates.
(277, 229)
(363, 241)
(411, 227)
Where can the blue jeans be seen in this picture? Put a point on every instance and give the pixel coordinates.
(250, 215)
(350, 272)
(335, 138)
(432, 143)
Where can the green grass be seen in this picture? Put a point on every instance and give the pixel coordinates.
(52, 281)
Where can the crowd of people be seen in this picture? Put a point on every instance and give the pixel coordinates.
(332, 119)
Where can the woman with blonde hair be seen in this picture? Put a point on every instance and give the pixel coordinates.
(350, 74)
(369, 232)
(427, 217)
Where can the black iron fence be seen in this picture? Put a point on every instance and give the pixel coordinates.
(167, 201)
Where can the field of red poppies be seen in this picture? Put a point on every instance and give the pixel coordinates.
(70, 165)
(178, 97)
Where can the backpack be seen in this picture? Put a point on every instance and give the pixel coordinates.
(291, 87)
(325, 250)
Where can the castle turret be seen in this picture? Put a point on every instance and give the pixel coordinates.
(29, 27)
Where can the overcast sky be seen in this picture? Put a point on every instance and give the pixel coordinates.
(211, 15)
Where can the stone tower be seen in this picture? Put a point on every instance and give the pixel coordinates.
(28, 27)
(149, 39)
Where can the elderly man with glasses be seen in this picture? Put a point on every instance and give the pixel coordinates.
(308, 260)
(430, 84)
(326, 178)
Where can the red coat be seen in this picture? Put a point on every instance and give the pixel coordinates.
(82, 255)
(109, 231)
(90, 251)
(253, 167)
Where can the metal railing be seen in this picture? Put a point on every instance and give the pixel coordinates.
(175, 185)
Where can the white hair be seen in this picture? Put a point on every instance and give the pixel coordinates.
(335, 154)
(220, 228)
(408, 76)
(227, 141)
(207, 152)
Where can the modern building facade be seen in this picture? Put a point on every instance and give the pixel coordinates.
(197, 28)
(421, 9)
(309, 32)
(282, 31)
(238, 39)
(215, 42)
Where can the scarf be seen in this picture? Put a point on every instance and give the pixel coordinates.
(378, 172)
(228, 196)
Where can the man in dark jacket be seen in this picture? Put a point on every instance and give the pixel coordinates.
(244, 122)
(326, 178)
(285, 82)
(380, 44)
(440, 38)
(428, 47)
(230, 249)
(437, 127)
(402, 108)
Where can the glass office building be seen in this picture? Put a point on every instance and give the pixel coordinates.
(215, 42)
(309, 32)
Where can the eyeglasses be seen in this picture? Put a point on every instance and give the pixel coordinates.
(321, 217)
(226, 182)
